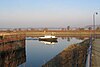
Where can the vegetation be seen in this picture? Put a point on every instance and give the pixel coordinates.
(73, 56)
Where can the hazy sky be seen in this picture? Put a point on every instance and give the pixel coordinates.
(48, 13)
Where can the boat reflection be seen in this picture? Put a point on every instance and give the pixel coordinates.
(12, 54)
(49, 42)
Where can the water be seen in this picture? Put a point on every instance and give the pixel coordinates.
(38, 53)
(32, 53)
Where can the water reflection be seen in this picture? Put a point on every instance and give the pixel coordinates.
(68, 39)
(82, 38)
(79, 38)
(12, 54)
(39, 54)
(49, 42)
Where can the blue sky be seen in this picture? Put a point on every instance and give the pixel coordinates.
(48, 13)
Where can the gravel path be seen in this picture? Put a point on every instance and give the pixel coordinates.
(96, 53)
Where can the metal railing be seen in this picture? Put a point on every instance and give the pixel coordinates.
(89, 54)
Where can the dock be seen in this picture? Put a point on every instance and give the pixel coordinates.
(96, 53)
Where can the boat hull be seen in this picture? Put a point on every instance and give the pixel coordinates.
(48, 39)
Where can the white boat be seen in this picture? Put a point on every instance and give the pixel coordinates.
(48, 38)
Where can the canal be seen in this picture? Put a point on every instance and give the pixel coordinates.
(39, 52)
(35, 53)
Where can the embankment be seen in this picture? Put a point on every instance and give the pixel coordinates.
(73, 56)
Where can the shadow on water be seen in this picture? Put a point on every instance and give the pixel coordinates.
(12, 54)
(73, 56)
(49, 42)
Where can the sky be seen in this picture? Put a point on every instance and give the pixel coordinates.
(48, 13)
